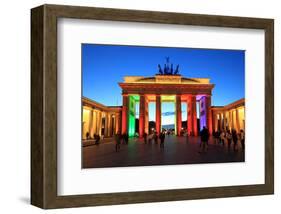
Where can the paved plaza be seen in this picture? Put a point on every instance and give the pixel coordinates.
(177, 150)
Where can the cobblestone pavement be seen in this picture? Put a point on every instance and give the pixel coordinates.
(177, 150)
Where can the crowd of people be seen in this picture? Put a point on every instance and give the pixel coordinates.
(229, 138)
(148, 139)
(225, 137)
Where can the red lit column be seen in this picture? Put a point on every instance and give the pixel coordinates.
(142, 115)
(158, 114)
(194, 115)
(178, 114)
(146, 119)
(209, 114)
(124, 113)
(189, 117)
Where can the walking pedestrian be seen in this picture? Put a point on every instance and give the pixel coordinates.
(162, 140)
(235, 139)
(204, 139)
(229, 139)
(242, 139)
(126, 138)
(145, 137)
(155, 137)
(117, 141)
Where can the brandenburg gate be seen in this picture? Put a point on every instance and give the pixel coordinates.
(166, 86)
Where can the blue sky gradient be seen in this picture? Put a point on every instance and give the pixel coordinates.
(103, 66)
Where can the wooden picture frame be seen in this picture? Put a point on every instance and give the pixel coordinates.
(44, 106)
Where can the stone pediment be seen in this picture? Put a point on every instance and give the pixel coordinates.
(166, 79)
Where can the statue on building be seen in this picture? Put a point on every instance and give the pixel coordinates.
(160, 69)
(168, 70)
(177, 70)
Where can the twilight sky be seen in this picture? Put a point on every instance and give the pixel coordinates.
(103, 66)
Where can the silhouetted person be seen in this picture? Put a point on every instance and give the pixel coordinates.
(217, 137)
(242, 139)
(97, 139)
(162, 139)
(126, 138)
(222, 137)
(235, 139)
(145, 137)
(204, 139)
(229, 139)
(87, 135)
(155, 136)
(117, 141)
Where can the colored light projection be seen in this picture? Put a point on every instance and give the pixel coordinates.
(133, 99)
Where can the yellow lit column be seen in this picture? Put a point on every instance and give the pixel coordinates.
(224, 120)
(116, 123)
(99, 122)
(237, 120)
(94, 123)
(109, 125)
(230, 120)
(90, 122)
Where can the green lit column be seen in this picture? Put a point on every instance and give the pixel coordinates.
(131, 116)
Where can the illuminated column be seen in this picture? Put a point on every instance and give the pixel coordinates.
(146, 119)
(91, 122)
(94, 126)
(100, 122)
(178, 113)
(194, 115)
(219, 122)
(214, 120)
(230, 120)
(158, 113)
(124, 113)
(237, 120)
(105, 124)
(109, 125)
(117, 118)
(224, 120)
(189, 116)
(209, 114)
(142, 115)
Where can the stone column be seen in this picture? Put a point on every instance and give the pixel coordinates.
(189, 117)
(218, 121)
(100, 123)
(90, 122)
(109, 125)
(178, 114)
(230, 120)
(116, 123)
(192, 117)
(125, 113)
(93, 130)
(106, 125)
(237, 120)
(142, 115)
(224, 120)
(158, 114)
(209, 114)
(146, 118)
